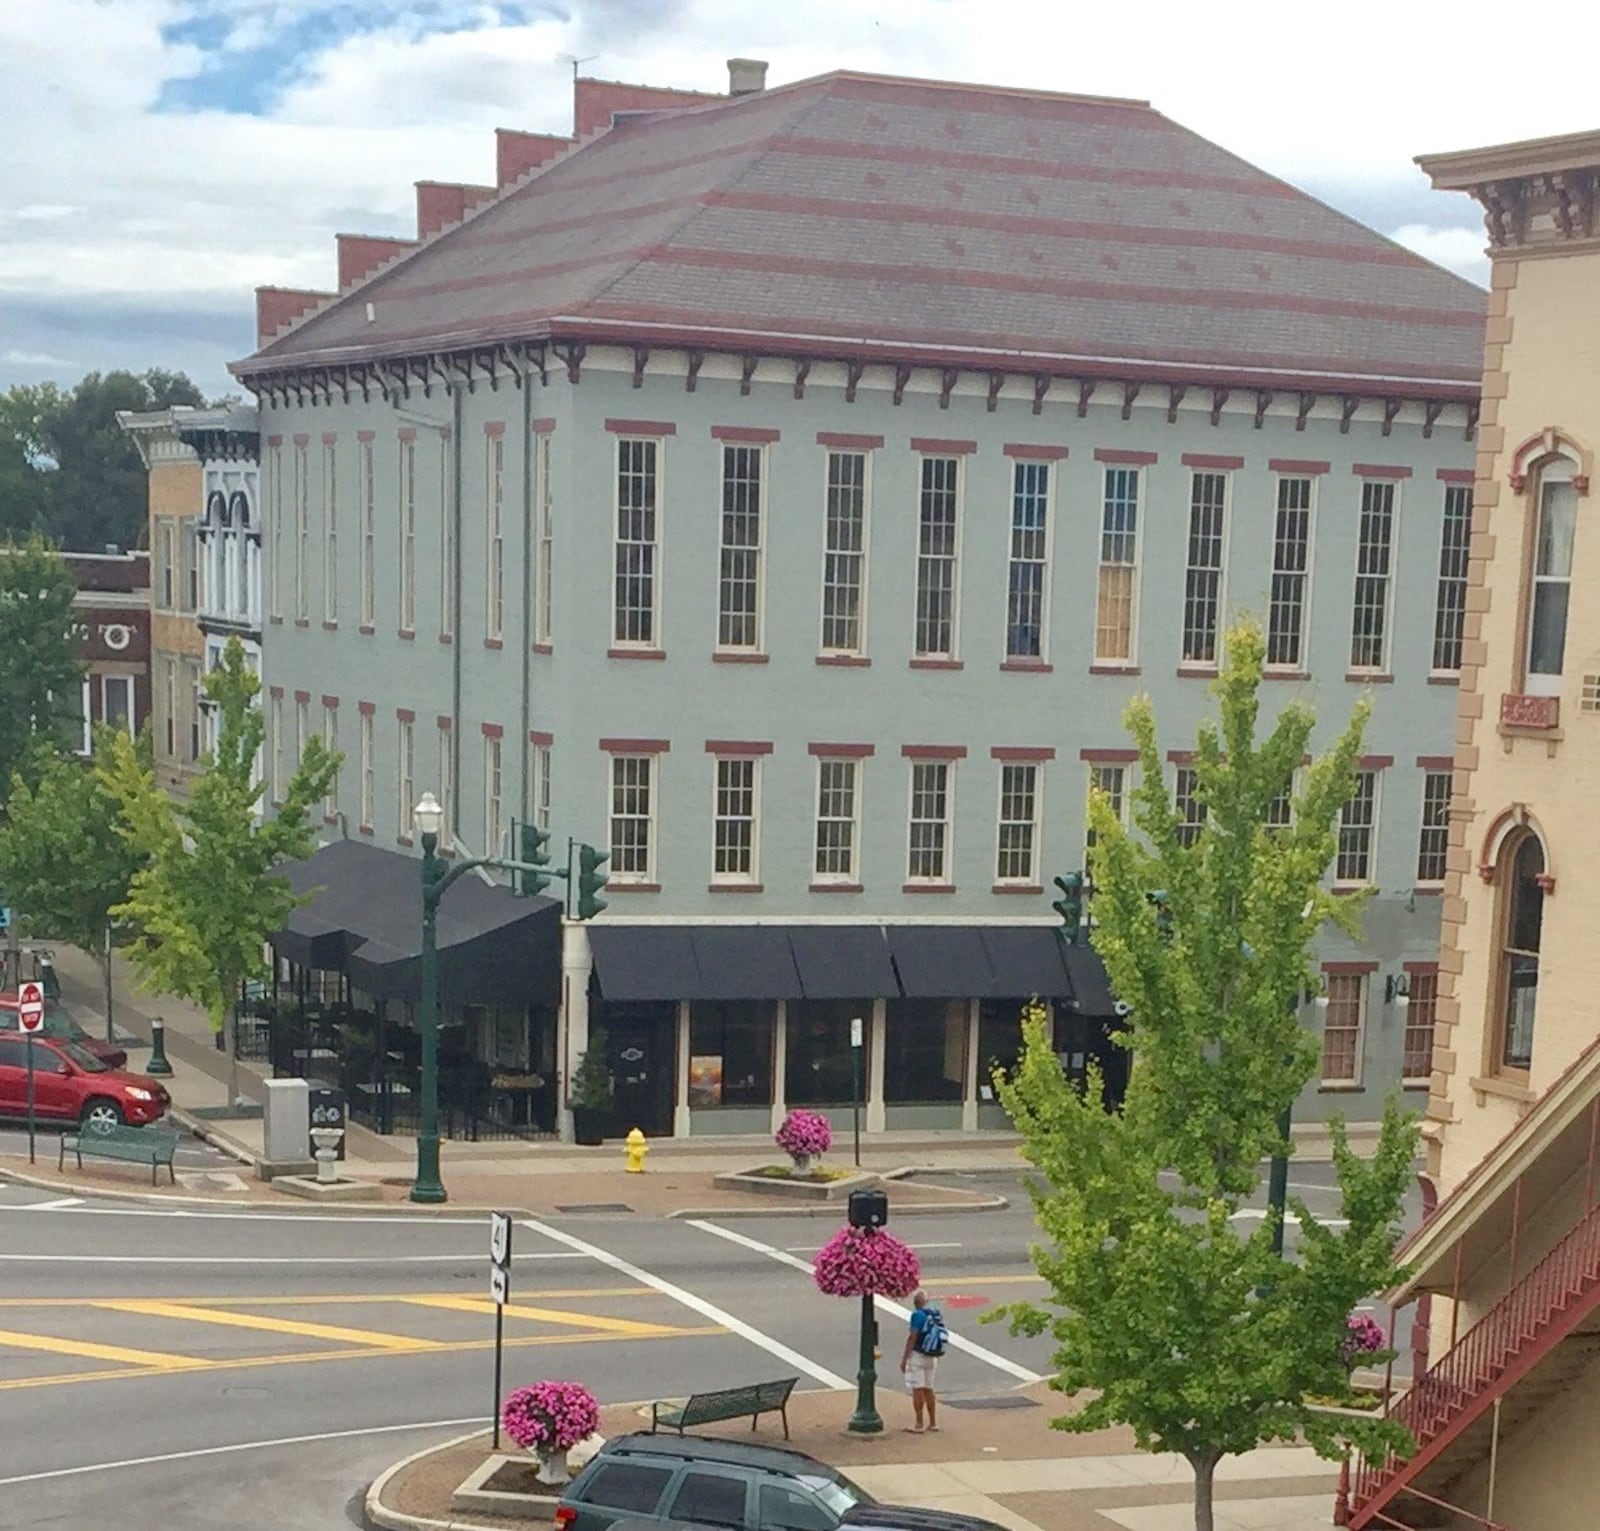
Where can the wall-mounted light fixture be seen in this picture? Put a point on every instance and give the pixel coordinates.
(1397, 989)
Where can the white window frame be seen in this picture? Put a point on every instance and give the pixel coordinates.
(369, 778)
(494, 794)
(944, 876)
(1343, 876)
(447, 785)
(277, 747)
(1425, 844)
(538, 804)
(1038, 544)
(169, 699)
(1450, 595)
(1120, 798)
(742, 565)
(1200, 645)
(1189, 826)
(1374, 580)
(1558, 471)
(88, 719)
(188, 567)
(330, 534)
(407, 520)
(1029, 876)
(330, 737)
(494, 538)
(851, 875)
(1111, 539)
(844, 569)
(544, 603)
(406, 775)
(302, 531)
(720, 874)
(275, 533)
(367, 496)
(946, 559)
(1302, 630)
(655, 448)
(302, 729)
(1414, 1006)
(1363, 994)
(447, 553)
(196, 711)
(645, 766)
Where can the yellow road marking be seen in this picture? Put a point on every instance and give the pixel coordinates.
(152, 1308)
(317, 1301)
(594, 1321)
(150, 1360)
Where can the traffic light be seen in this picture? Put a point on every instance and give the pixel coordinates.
(1157, 899)
(1070, 905)
(591, 880)
(533, 846)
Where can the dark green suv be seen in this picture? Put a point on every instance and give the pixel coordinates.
(660, 1479)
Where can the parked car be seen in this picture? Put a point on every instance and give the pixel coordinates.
(59, 1022)
(864, 1517)
(70, 1084)
(658, 1481)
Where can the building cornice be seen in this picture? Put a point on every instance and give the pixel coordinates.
(1540, 197)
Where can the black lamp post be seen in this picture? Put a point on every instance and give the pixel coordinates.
(436, 877)
(869, 1211)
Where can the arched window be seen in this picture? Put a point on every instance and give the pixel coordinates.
(1521, 916)
(216, 508)
(239, 507)
(1550, 576)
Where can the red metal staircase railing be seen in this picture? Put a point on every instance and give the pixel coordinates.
(1491, 1357)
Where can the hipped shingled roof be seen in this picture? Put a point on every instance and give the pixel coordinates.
(863, 217)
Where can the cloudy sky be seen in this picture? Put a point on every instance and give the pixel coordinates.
(162, 158)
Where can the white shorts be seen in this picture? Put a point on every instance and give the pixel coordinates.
(920, 1370)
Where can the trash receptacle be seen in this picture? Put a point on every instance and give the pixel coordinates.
(329, 1109)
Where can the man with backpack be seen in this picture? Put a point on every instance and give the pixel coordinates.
(925, 1343)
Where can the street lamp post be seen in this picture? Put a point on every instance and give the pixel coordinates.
(435, 879)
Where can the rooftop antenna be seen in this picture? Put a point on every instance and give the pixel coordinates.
(569, 58)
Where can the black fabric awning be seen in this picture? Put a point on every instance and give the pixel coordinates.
(941, 961)
(644, 962)
(1027, 960)
(1091, 987)
(744, 962)
(843, 961)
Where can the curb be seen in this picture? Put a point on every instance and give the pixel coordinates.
(202, 1128)
(833, 1209)
(376, 1513)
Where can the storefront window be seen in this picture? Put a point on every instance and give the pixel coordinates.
(819, 1069)
(999, 1040)
(730, 1053)
(925, 1051)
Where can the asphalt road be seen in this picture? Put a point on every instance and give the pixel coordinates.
(187, 1369)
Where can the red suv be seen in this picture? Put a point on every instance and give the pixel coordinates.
(58, 1022)
(70, 1084)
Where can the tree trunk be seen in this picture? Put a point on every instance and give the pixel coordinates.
(1205, 1466)
(105, 963)
(232, 1023)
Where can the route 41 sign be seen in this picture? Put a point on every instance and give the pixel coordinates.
(30, 1008)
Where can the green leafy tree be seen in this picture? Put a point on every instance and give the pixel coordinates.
(62, 859)
(1167, 1315)
(41, 676)
(207, 895)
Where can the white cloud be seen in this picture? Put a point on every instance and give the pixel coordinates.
(35, 359)
(1456, 249)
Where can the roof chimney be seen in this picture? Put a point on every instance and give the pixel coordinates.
(746, 76)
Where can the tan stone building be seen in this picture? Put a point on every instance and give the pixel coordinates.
(1506, 1402)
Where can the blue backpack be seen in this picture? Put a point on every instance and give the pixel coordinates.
(934, 1336)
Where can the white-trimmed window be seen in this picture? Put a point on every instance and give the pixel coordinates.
(277, 747)
(1028, 576)
(638, 501)
(369, 777)
(1422, 1008)
(1117, 589)
(1342, 1027)
(1358, 831)
(1280, 810)
(302, 533)
(736, 818)
(447, 783)
(196, 694)
(1202, 588)
(1188, 803)
(166, 564)
(275, 530)
(938, 557)
(1017, 843)
(538, 805)
(188, 567)
(1369, 621)
(494, 539)
(406, 775)
(1550, 587)
(302, 729)
(330, 737)
(1450, 604)
(1433, 844)
(408, 534)
(494, 793)
(367, 496)
(169, 706)
(1112, 779)
(844, 555)
(928, 841)
(1288, 604)
(739, 577)
(838, 820)
(545, 628)
(330, 533)
(633, 823)
(118, 708)
(447, 552)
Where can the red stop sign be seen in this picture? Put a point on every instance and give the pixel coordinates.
(30, 1007)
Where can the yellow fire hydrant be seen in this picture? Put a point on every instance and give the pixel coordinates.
(636, 1149)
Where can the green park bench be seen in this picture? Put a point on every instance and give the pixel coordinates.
(154, 1146)
(756, 1399)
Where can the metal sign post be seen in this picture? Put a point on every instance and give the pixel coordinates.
(855, 1108)
(500, 1291)
(30, 1017)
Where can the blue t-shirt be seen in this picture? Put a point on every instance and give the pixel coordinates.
(920, 1319)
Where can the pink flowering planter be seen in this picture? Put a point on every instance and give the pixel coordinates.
(805, 1136)
(866, 1262)
(549, 1419)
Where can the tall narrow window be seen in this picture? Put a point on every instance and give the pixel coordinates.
(632, 818)
(1552, 580)
(166, 562)
(330, 534)
(838, 822)
(1190, 806)
(928, 858)
(169, 705)
(1369, 622)
(408, 534)
(538, 805)
(1113, 781)
(369, 780)
(1280, 809)
(735, 819)
(188, 567)
(938, 544)
(406, 776)
(1028, 576)
(493, 793)
(1202, 589)
(302, 533)
(1416, 1053)
(1450, 607)
(1522, 918)
(634, 608)
(447, 551)
(1341, 1028)
(547, 540)
(302, 729)
(494, 540)
(330, 737)
(367, 492)
(1291, 575)
(1434, 842)
(275, 531)
(1016, 852)
(196, 720)
(1119, 555)
(1358, 822)
(117, 709)
(447, 783)
(277, 747)
(739, 584)
(845, 554)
